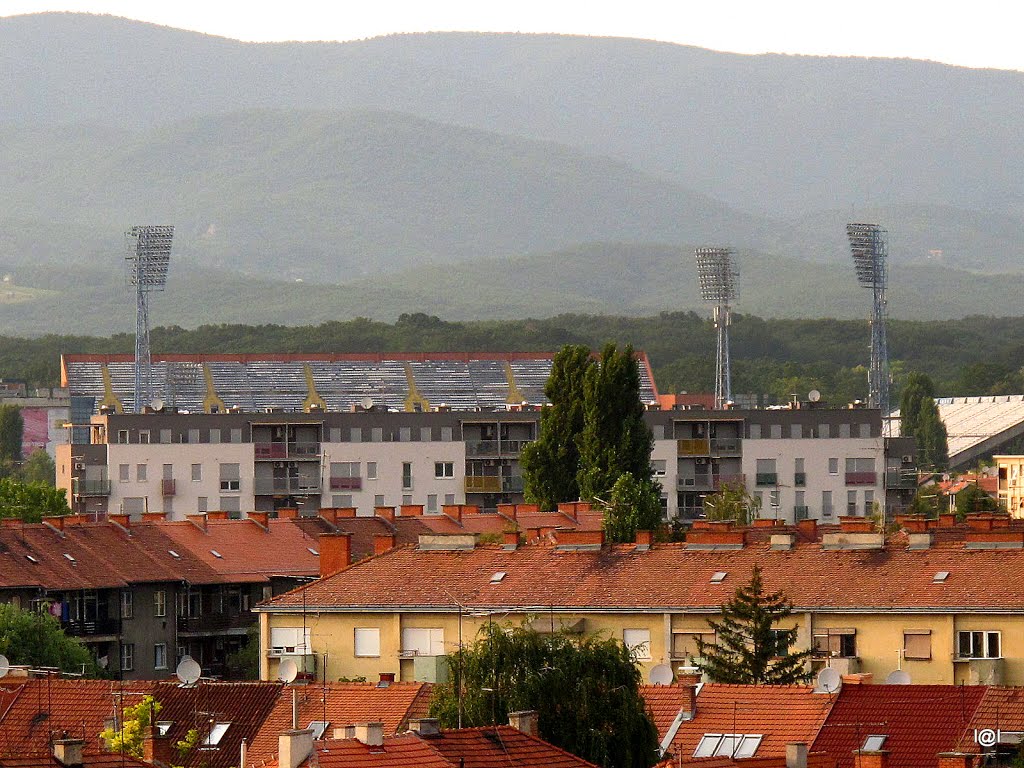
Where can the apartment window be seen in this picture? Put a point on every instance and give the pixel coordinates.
(236, 435)
(127, 604)
(341, 500)
(231, 504)
(345, 468)
(127, 657)
(824, 431)
(860, 465)
(851, 502)
(229, 477)
(371, 470)
(638, 642)
(193, 436)
(406, 475)
(376, 434)
(422, 642)
(160, 603)
(168, 472)
(865, 430)
(775, 430)
(366, 641)
(122, 435)
(781, 641)
(766, 472)
(686, 645)
(355, 435)
(659, 467)
(755, 431)
(406, 498)
(444, 469)
(917, 644)
(405, 434)
(124, 472)
(431, 502)
(378, 500)
(288, 640)
(799, 500)
(140, 473)
(869, 502)
(160, 656)
(144, 436)
(202, 505)
(426, 434)
(214, 435)
(334, 434)
(833, 466)
(165, 436)
(197, 472)
(836, 642)
(796, 431)
(449, 498)
(978, 645)
(799, 473)
(446, 434)
(826, 503)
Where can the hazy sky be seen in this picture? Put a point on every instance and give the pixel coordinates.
(980, 33)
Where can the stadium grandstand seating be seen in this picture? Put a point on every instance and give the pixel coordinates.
(977, 426)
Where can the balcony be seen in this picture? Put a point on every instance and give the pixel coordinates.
(512, 484)
(801, 513)
(495, 447)
(346, 483)
(278, 451)
(92, 628)
(726, 445)
(799, 479)
(691, 513)
(695, 447)
(901, 479)
(699, 482)
(215, 622)
(861, 478)
(82, 487)
(290, 486)
(766, 478)
(483, 484)
(732, 479)
(166, 487)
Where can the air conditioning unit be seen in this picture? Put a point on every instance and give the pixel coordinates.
(908, 459)
(79, 465)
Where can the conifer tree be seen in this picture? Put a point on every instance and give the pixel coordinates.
(749, 648)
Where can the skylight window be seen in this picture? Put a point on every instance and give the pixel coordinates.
(728, 745)
(318, 727)
(31, 559)
(940, 577)
(70, 558)
(718, 577)
(874, 743)
(174, 554)
(163, 727)
(215, 735)
(497, 578)
(216, 554)
(313, 551)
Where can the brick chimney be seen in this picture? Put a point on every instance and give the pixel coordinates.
(957, 760)
(510, 540)
(217, 514)
(335, 552)
(387, 513)
(877, 758)
(412, 510)
(382, 542)
(287, 513)
(796, 755)
(261, 519)
(125, 521)
(524, 720)
(568, 508)
(567, 538)
(68, 752)
(294, 747)
(527, 509)
(508, 510)
(715, 535)
(808, 529)
(155, 748)
(644, 539)
(370, 734)
(454, 511)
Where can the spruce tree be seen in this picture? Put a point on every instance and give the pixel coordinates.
(550, 463)
(749, 649)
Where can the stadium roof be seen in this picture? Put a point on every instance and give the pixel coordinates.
(333, 382)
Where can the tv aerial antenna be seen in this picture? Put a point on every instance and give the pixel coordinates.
(719, 281)
(148, 258)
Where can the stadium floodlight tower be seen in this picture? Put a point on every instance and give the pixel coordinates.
(148, 257)
(870, 249)
(720, 283)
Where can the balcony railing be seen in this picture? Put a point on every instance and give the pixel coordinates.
(483, 484)
(720, 445)
(766, 478)
(278, 451)
(694, 447)
(898, 478)
(346, 483)
(512, 484)
(699, 482)
(167, 487)
(91, 487)
(92, 628)
(691, 513)
(495, 447)
(799, 479)
(800, 513)
(735, 478)
(861, 478)
(216, 622)
(265, 487)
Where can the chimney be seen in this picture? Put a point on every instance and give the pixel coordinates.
(796, 755)
(714, 536)
(68, 752)
(124, 521)
(328, 514)
(454, 511)
(876, 758)
(382, 542)
(345, 732)
(344, 513)
(947, 520)
(412, 510)
(294, 747)
(217, 515)
(425, 726)
(957, 760)
(56, 522)
(852, 524)
(568, 509)
(335, 552)
(386, 679)
(287, 513)
(387, 513)
(527, 509)
(918, 541)
(764, 522)
(781, 542)
(808, 529)
(508, 510)
(567, 538)
(644, 539)
(510, 540)
(525, 720)
(261, 519)
(371, 734)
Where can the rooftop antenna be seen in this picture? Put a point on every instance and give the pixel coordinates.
(870, 249)
(829, 680)
(719, 283)
(148, 257)
(660, 674)
(188, 671)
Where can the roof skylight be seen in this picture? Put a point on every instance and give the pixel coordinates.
(718, 577)
(497, 577)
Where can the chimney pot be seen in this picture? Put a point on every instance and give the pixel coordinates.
(293, 747)
(525, 720)
(370, 734)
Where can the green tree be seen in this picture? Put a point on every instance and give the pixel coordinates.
(974, 499)
(585, 689)
(732, 502)
(244, 664)
(932, 439)
(35, 638)
(12, 426)
(916, 388)
(615, 438)
(926, 502)
(751, 648)
(135, 721)
(38, 468)
(550, 463)
(31, 501)
(634, 505)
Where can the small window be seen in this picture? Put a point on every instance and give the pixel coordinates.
(446, 434)
(202, 504)
(844, 431)
(127, 604)
(865, 430)
(443, 469)
(355, 435)
(163, 727)
(658, 467)
(718, 577)
(404, 434)
(422, 642)
(917, 644)
(127, 657)
(70, 558)
(978, 645)
(229, 477)
(366, 641)
(873, 743)
(406, 475)
(376, 434)
(426, 434)
(318, 727)
(216, 554)
(313, 552)
(124, 473)
(371, 470)
(160, 603)
(236, 435)
(140, 473)
(215, 735)
(836, 643)
(833, 466)
(174, 554)
(940, 577)
(686, 645)
(197, 472)
(498, 577)
(775, 430)
(122, 436)
(737, 745)
(378, 500)
(449, 498)
(144, 436)
(755, 431)
(406, 499)
(638, 642)
(431, 502)
(160, 656)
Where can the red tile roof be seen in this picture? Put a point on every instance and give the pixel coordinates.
(340, 704)
(919, 721)
(782, 714)
(670, 577)
(664, 702)
(89, 761)
(1000, 709)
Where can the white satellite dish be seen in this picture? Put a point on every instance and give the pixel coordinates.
(814, 395)
(660, 675)
(5, 665)
(367, 403)
(829, 680)
(157, 404)
(287, 671)
(898, 677)
(188, 670)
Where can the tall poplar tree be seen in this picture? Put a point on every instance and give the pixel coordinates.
(550, 463)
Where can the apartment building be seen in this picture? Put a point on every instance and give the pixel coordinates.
(938, 600)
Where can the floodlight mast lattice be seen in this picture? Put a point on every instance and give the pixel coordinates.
(719, 283)
(148, 258)
(870, 249)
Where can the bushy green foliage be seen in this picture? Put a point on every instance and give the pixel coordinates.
(732, 502)
(36, 638)
(38, 468)
(135, 721)
(11, 428)
(585, 690)
(31, 501)
(974, 499)
(633, 505)
(751, 648)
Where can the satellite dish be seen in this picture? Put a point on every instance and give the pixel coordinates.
(660, 675)
(188, 670)
(157, 404)
(287, 671)
(5, 665)
(814, 395)
(829, 680)
(898, 677)
(367, 403)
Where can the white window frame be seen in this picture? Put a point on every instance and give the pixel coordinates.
(444, 469)
(127, 604)
(986, 641)
(160, 656)
(422, 641)
(638, 642)
(160, 603)
(289, 641)
(366, 642)
(197, 473)
(127, 655)
(728, 745)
